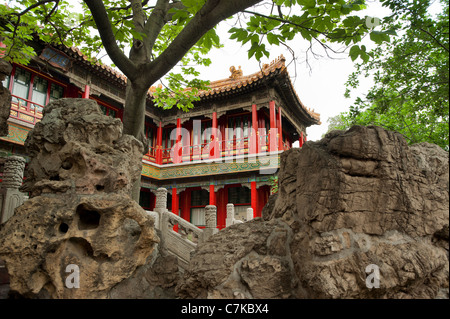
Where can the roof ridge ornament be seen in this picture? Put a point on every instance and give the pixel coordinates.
(235, 74)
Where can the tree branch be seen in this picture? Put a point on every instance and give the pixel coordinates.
(138, 15)
(37, 4)
(47, 17)
(155, 23)
(435, 40)
(212, 12)
(109, 41)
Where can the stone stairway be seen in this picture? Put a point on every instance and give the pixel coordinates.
(179, 237)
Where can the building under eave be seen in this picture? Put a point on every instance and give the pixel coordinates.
(225, 150)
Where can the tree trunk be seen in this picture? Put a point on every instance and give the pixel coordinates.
(134, 122)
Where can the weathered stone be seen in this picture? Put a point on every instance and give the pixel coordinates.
(356, 200)
(154, 280)
(364, 197)
(76, 148)
(80, 235)
(235, 264)
(106, 236)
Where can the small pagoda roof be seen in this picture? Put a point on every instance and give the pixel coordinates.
(275, 70)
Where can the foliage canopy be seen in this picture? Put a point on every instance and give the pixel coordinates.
(411, 77)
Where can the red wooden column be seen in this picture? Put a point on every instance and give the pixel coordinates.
(301, 139)
(175, 202)
(184, 200)
(280, 131)
(273, 128)
(214, 143)
(221, 208)
(159, 144)
(254, 199)
(177, 158)
(212, 195)
(86, 92)
(254, 135)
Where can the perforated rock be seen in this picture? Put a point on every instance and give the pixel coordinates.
(75, 148)
(359, 214)
(80, 235)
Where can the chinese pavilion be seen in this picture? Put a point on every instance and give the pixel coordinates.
(225, 150)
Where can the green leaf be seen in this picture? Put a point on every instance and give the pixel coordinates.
(354, 52)
(307, 3)
(379, 37)
(273, 39)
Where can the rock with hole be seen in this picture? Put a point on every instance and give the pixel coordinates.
(80, 234)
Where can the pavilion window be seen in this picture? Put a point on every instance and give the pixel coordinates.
(21, 85)
(199, 200)
(239, 195)
(241, 198)
(150, 133)
(112, 113)
(240, 126)
(196, 135)
(206, 127)
(167, 143)
(169, 201)
(103, 109)
(201, 131)
(107, 110)
(30, 86)
(39, 95)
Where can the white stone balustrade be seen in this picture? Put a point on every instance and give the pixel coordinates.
(10, 196)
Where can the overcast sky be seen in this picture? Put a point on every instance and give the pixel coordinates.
(320, 86)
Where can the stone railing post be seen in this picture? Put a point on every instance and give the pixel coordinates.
(10, 196)
(249, 215)
(161, 200)
(230, 215)
(160, 205)
(211, 222)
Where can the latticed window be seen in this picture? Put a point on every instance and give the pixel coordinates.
(21, 85)
(241, 198)
(239, 195)
(40, 89)
(199, 200)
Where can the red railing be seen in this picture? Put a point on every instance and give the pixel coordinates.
(234, 146)
(25, 110)
(151, 155)
(197, 152)
(263, 143)
(230, 147)
(166, 158)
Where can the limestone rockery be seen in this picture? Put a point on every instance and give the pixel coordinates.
(359, 214)
(80, 216)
